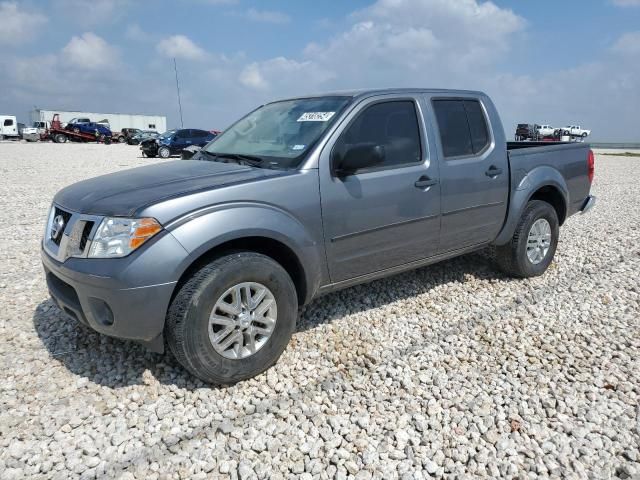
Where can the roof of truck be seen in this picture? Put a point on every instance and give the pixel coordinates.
(368, 92)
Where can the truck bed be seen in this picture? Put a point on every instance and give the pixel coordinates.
(564, 161)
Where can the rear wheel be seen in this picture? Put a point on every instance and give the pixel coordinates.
(233, 318)
(60, 138)
(534, 242)
(121, 139)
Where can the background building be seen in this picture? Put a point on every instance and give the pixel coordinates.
(117, 121)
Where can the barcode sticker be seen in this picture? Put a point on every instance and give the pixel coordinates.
(316, 116)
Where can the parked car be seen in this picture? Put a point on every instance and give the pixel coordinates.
(8, 127)
(125, 134)
(576, 131)
(89, 127)
(302, 197)
(173, 141)
(142, 135)
(546, 131)
(527, 131)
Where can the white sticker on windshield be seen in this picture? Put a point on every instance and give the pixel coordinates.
(316, 116)
(297, 147)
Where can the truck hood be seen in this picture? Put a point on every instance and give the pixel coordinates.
(124, 192)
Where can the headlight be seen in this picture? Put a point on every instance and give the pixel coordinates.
(118, 237)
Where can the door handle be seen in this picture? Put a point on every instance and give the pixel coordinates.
(493, 171)
(425, 181)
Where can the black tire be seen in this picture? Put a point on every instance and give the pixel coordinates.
(186, 327)
(60, 138)
(164, 152)
(584, 134)
(121, 139)
(512, 257)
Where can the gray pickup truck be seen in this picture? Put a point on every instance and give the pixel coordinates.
(214, 255)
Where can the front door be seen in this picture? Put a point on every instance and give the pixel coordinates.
(181, 140)
(474, 174)
(387, 215)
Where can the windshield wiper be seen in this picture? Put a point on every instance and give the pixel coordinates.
(252, 160)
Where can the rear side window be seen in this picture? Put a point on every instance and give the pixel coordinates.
(8, 122)
(462, 125)
(199, 133)
(477, 125)
(393, 125)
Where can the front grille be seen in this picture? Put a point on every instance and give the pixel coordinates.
(66, 216)
(84, 238)
(75, 240)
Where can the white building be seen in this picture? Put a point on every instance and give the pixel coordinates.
(117, 121)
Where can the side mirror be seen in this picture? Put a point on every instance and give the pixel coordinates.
(356, 157)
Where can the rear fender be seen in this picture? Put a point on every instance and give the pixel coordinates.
(524, 185)
(201, 231)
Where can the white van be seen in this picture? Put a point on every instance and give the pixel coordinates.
(8, 127)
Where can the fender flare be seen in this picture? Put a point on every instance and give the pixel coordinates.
(524, 186)
(202, 231)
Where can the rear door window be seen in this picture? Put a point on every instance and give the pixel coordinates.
(462, 125)
(8, 122)
(454, 128)
(477, 125)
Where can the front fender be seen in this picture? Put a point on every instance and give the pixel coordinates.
(524, 185)
(200, 232)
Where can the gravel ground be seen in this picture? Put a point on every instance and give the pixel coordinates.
(452, 370)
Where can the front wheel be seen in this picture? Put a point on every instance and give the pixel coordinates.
(584, 135)
(164, 152)
(233, 318)
(534, 242)
(121, 139)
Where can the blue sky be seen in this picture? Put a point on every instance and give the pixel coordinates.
(542, 61)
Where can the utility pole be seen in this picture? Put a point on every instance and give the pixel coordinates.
(175, 67)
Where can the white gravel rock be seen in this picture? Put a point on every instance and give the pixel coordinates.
(448, 371)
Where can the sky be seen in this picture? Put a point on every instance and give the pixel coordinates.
(542, 61)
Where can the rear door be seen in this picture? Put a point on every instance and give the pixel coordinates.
(200, 137)
(383, 216)
(474, 173)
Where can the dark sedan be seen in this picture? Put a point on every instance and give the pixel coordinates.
(173, 142)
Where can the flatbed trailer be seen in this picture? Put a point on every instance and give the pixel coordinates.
(60, 135)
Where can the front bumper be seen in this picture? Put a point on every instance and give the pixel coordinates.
(149, 148)
(107, 295)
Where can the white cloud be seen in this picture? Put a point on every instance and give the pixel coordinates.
(626, 3)
(135, 32)
(94, 13)
(180, 46)
(401, 43)
(17, 25)
(284, 73)
(90, 52)
(628, 44)
(267, 16)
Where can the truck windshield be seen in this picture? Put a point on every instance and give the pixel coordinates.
(279, 133)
